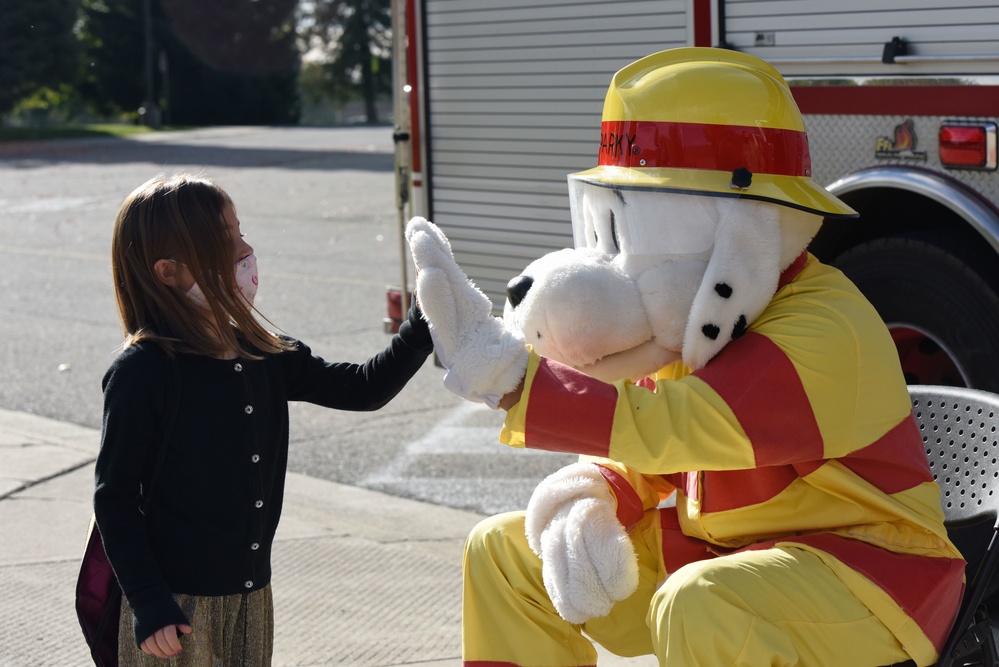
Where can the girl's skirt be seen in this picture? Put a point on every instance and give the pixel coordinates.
(227, 631)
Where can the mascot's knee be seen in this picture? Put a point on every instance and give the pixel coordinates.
(685, 599)
(497, 540)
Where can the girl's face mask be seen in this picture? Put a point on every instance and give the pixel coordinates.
(246, 278)
(246, 282)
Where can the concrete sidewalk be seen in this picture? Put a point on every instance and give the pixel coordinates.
(360, 578)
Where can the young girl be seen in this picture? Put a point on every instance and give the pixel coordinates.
(195, 566)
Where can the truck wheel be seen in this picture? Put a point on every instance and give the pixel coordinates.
(942, 313)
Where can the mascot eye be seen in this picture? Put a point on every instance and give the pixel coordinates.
(614, 233)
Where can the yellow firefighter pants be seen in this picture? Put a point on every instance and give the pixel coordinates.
(779, 606)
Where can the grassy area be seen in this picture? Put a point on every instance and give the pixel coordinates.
(73, 132)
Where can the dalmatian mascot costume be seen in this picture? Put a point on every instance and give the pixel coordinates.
(752, 488)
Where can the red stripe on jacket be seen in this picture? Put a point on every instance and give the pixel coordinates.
(927, 589)
(723, 490)
(678, 548)
(630, 509)
(762, 388)
(894, 462)
(586, 429)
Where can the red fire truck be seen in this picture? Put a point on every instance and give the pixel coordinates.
(499, 101)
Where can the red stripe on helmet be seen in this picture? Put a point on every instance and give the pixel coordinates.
(650, 144)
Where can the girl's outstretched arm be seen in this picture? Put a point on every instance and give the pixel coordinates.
(365, 386)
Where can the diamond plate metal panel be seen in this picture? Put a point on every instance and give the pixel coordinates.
(842, 145)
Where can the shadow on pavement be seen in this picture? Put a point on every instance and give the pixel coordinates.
(34, 154)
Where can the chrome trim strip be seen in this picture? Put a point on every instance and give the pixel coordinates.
(976, 212)
(991, 158)
(875, 60)
(838, 80)
(969, 58)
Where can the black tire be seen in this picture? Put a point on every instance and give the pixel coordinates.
(931, 296)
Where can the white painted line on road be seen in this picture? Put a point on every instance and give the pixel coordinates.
(45, 204)
(448, 438)
(312, 278)
(63, 254)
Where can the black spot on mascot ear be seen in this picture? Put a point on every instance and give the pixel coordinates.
(724, 290)
(711, 331)
(740, 327)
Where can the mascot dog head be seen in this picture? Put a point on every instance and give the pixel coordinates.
(702, 196)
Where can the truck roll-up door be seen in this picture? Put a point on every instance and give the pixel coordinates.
(850, 36)
(514, 93)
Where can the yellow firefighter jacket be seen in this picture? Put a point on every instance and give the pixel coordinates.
(799, 432)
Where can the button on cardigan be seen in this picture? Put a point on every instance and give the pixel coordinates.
(214, 511)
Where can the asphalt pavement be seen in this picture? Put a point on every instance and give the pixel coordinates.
(367, 562)
(361, 578)
(318, 206)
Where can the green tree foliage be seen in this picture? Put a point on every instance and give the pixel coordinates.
(215, 62)
(356, 38)
(231, 61)
(37, 47)
(113, 74)
(223, 62)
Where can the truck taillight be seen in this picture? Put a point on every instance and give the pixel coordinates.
(968, 146)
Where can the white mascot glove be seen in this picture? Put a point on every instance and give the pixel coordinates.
(587, 560)
(484, 360)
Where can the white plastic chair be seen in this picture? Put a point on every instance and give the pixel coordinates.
(960, 428)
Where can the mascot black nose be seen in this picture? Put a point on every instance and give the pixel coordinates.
(518, 288)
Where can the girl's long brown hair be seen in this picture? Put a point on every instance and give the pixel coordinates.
(181, 218)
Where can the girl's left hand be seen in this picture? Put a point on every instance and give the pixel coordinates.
(165, 642)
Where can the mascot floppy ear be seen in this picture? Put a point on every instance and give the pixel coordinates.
(740, 279)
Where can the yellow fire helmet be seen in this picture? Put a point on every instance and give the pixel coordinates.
(710, 122)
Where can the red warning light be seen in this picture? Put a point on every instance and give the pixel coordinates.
(968, 146)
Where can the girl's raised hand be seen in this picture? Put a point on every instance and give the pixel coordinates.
(165, 643)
